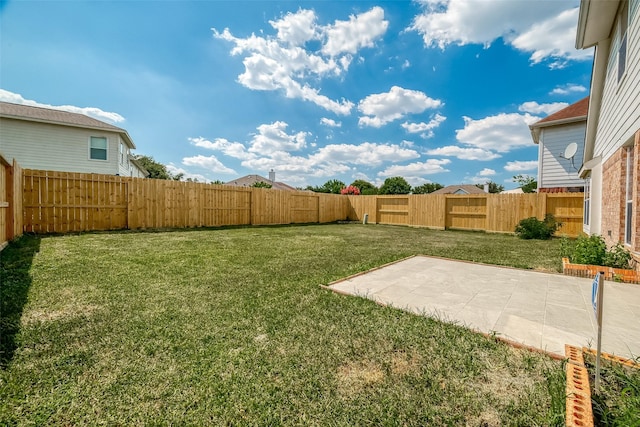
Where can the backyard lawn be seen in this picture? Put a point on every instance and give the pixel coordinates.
(230, 327)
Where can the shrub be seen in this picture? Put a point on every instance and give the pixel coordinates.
(617, 257)
(533, 228)
(592, 250)
(589, 250)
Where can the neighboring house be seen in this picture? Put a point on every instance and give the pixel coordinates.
(460, 189)
(250, 180)
(48, 139)
(514, 191)
(612, 143)
(553, 134)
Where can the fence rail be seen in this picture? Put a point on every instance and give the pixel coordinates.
(60, 202)
(488, 212)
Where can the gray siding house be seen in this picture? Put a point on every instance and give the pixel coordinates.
(48, 139)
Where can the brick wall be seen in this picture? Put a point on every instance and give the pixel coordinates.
(614, 173)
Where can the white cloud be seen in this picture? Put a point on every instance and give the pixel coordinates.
(330, 122)
(464, 153)
(296, 28)
(406, 64)
(428, 167)
(273, 137)
(210, 163)
(425, 128)
(382, 108)
(519, 166)
(544, 29)
(534, 108)
(502, 133)
(93, 112)
(284, 63)
(366, 153)
(231, 149)
(486, 172)
(568, 89)
(359, 31)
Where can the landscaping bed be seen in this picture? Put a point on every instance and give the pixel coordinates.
(230, 327)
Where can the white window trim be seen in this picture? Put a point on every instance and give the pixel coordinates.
(622, 35)
(107, 149)
(628, 206)
(586, 215)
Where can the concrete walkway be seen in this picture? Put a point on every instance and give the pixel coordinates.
(542, 310)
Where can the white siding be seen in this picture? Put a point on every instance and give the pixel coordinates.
(620, 111)
(554, 170)
(52, 147)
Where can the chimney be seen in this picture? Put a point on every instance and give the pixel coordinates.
(486, 187)
(272, 176)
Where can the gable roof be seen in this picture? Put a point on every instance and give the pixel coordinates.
(576, 112)
(59, 117)
(249, 180)
(463, 188)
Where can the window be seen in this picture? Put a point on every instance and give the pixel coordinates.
(98, 148)
(628, 214)
(122, 153)
(623, 22)
(587, 201)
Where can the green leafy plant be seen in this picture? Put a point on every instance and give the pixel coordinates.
(617, 257)
(589, 250)
(592, 250)
(533, 228)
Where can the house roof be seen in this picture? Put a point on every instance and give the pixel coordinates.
(595, 21)
(59, 117)
(462, 188)
(576, 112)
(249, 180)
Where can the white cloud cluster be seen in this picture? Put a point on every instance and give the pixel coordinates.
(175, 170)
(284, 63)
(272, 146)
(546, 29)
(382, 108)
(464, 153)
(502, 133)
(93, 112)
(428, 167)
(330, 122)
(426, 129)
(534, 108)
(568, 89)
(520, 166)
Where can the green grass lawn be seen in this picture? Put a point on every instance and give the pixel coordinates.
(230, 327)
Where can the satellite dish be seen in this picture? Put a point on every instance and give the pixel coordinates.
(570, 151)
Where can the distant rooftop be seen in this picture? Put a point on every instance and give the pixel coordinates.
(460, 189)
(249, 180)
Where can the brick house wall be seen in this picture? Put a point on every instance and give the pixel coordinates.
(614, 176)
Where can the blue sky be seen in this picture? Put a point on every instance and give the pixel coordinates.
(434, 91)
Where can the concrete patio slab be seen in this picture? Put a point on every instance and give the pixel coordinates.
(542, 310)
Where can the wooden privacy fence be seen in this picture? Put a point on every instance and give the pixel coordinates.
(488, 212)
(60, 202)
(10, 201)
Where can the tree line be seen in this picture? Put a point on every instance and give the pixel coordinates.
(393, 185)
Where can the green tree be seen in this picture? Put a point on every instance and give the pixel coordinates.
(156, 170)
(365, 186)
(333, 186)
(261, 184)
(493, 187)
(395, 185)
(427, 188)
(217, 182)
(527, 183)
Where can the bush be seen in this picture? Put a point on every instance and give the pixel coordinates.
(589, 250)
(617, 257)
(592, 250)
(533, 228)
